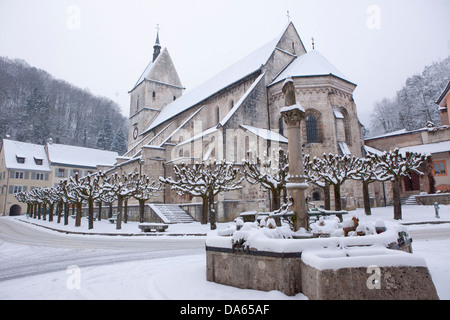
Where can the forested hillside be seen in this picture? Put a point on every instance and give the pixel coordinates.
(34, 106)
(414, 105)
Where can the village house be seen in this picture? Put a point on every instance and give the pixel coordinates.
(431, 140)
(25, 166)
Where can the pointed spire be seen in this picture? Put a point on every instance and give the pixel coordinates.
(156, 47)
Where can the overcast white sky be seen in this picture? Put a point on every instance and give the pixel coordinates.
(104, 45)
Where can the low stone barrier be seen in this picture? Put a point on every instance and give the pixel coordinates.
(370, 274)
(430, 199)
(359, 267)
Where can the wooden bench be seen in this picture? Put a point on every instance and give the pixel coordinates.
(113, 219)
(317, 213)
(95, 216)
(157, 227)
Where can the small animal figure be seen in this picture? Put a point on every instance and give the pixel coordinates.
(352, 227)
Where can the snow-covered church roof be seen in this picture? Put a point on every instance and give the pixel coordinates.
(239, 70)
(310, 64)
(25, 156)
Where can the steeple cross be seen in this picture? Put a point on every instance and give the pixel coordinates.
(288, 16)
(312, 39)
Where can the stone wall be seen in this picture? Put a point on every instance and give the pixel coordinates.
(258, 271)
(286, 272)
(396, 283)
(430, 199)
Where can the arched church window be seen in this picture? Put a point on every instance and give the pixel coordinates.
(281, 126)
(311, 129)
(347, 129)
(231, 104)
(217, 114)
(154, 94)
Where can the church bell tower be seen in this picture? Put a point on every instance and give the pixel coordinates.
(158, 86)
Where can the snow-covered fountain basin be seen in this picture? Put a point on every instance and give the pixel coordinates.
(373, 266)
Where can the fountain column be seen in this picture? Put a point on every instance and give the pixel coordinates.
(293, 113)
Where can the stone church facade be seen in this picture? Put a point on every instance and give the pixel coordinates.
(236, 111)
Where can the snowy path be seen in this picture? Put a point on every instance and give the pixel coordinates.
(26, 250)
(35, 261)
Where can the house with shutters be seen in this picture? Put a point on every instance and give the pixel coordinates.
(25, 166)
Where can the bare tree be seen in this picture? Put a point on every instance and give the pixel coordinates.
(334, 170)
(205, 180)
(271, 176)
(397, 166)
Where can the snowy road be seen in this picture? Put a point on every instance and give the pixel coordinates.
(31, 251)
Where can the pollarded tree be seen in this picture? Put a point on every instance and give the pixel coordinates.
(367, 171)
(397, 166)
(318, 180)
(205, 180)
(120, 185)
(51, 197)
(90, 190)
(334, 170)
(144, 189)
(70, 187)
(272, 177)
(23, 197)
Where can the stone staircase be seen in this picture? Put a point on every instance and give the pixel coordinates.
(171, 213)
(405, 200)
(411, 200)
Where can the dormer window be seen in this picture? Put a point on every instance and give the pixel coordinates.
(38, 161)
(20, 158)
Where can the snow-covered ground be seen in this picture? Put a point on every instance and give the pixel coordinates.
(184, 277)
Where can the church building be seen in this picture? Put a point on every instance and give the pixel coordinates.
(236, 111)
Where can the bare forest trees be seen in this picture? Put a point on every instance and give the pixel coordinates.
(35, 107)
(414, 104)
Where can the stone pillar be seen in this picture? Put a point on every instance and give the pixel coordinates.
(293, 115)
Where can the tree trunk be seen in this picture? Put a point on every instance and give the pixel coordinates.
(91, 213)
(275, 204)
(50, 211)
(366, 198)
(397, 199)
(100, 202)
(66, 213)
(204, 210)
(337, 197)
(39, 211)
(327, 197)
(59, 211)
(125, 211)
(141, 210)
(110, 210)
(78, 214)
(212, 213)
(119, 212)
(44, 212)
